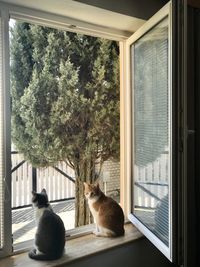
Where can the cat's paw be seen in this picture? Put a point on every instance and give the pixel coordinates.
(95, 232)
(102, 234)
(99, 233)
(32, 253)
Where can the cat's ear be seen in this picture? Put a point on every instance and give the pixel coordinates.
(44, 191)
(97, 184)
(85, 184)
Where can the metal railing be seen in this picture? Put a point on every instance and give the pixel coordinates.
(152, 182)
(59, 181)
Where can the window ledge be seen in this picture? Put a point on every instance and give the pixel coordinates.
(77, 248)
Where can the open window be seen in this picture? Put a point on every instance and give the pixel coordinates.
(152, 121)
(151, 131)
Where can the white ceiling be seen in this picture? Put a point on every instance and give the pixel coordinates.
(83, 12)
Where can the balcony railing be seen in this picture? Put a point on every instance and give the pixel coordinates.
(59, 181)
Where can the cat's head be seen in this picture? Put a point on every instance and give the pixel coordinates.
(40, 200)
(92, 191)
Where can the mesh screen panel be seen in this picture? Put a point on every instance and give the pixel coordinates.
(151, 127)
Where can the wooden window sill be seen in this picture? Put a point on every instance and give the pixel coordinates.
(75, 249)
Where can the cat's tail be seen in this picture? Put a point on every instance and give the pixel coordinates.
(42, 257)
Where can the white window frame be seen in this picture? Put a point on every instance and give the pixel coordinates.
(126, 131)
(54, 21)
(7, 231)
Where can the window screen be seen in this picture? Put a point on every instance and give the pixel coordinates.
(151, 130)
(1, 146)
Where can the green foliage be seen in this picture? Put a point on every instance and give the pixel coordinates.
(65, 96)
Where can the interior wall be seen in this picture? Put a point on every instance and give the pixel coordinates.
(190, 206)
(142, 9)
(196, 196)
(140, 253)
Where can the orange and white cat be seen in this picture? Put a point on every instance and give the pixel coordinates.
(107, 213)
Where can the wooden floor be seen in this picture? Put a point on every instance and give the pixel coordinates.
(23, 221)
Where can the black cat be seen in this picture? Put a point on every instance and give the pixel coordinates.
(50, 233)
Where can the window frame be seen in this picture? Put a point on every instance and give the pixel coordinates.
(164, 12)
(7, 240)
(61, 22)
(10, 11)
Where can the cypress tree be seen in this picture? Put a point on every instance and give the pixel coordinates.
(65, 101)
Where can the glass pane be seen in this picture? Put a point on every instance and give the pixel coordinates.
(1, 149)
(151, 130)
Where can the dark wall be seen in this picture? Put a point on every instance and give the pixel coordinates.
(190, 183)
(192, 207)
(142, 9)
(196, 197)
(140, 253)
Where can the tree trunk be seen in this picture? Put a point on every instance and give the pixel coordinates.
(85, 172)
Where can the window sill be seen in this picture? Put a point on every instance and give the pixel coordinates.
(76, 249)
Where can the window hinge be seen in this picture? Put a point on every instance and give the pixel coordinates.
(191, 132)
